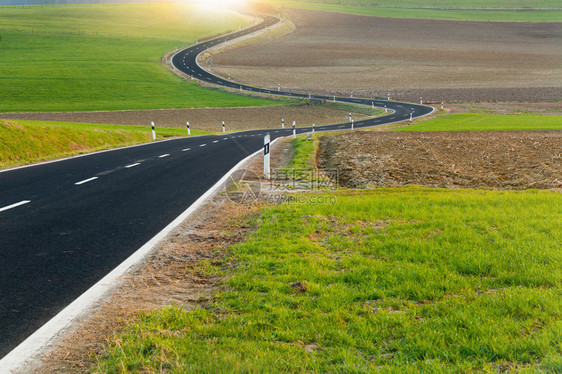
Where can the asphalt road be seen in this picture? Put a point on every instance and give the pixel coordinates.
(64, 225)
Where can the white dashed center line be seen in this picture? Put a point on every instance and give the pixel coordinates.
(185, 150)
(202, 145)
(15, 205)
(132, 165)
(162, 156)
(215, 141)
(86, 181)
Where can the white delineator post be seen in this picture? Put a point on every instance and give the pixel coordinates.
(421, 101)
(441, 105)
(385, 110)
(388, 96)
(223, 127)
(266, 169)
(352, 124)
(313, 128)
(294, 130)
(153, 131)
(349, 117)
(410, 116)
(282, 123)
(278, 87)
(188, 129)
(334, 99)
(372, 105)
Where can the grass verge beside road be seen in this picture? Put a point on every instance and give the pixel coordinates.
(486, 122)
(385, 280)
(24, 142)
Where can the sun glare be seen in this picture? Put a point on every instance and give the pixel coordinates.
(224, 3)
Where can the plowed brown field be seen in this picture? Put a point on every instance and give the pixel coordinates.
(209, 119)
(494, 160)
(439, 60)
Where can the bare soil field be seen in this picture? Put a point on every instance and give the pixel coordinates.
(208, 119)
(490, 160)
(438, 60)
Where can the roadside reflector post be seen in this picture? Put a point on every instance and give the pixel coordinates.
(313, 128)
(294, 130)
(349, 117)
(240, 88)
(188, 129)
(334, 99)
(421, 101)
(223, 127)
(372, 105)
(153, 131)
(441, 105)
(282, 123)
(266, 169)
(352, 124)
(388, 96)
(278, 87)
(410, 116)
(351, 95)
(385, 110)
(309, 96)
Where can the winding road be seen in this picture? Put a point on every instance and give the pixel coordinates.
(64, 225)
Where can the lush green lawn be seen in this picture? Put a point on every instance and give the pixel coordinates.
(484, 122)
(49, 70)
(23, 142)
(402, 280)
(446, 14)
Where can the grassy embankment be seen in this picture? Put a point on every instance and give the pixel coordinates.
(486, 122)
(512, 11)
(24, 142)
(106, 57)
(395, 280)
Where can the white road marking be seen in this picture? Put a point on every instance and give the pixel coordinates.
(224, 138)
(132, 165)
(215, 141)
(202, 145)
(186, 149)
(162, 156)
(15, 205)
(86, 181)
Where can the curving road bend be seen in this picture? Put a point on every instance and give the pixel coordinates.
(64, 225)
(186, 62)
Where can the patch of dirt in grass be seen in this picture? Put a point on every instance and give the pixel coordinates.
(179, 272)
(447, 61)
(208, 119)
(494, 160)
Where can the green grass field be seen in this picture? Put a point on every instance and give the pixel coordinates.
(103, 57)
(487, 122)
(24, 142)
(403, 280)
(411, 9)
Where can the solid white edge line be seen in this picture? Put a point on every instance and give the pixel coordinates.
(23, 202)
(24, 354)
(86, 181)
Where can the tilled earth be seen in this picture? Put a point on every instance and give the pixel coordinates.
(209, 119)
(408, 58)
(490, 160)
